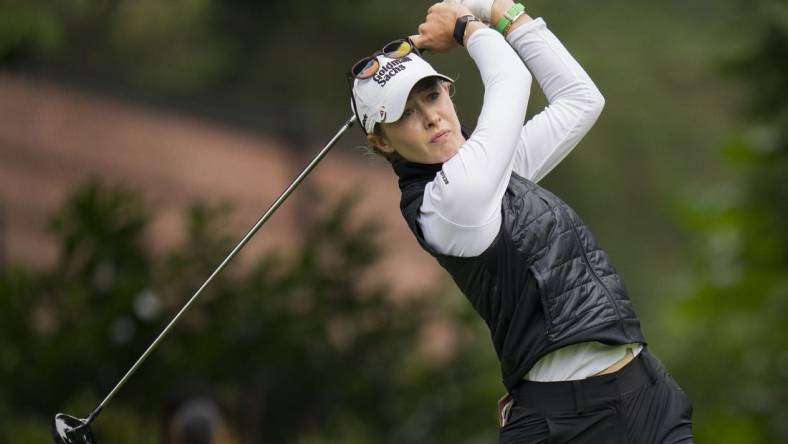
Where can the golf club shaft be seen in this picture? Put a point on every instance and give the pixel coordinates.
(227, 259)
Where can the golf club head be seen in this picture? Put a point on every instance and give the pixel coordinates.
(69, 430)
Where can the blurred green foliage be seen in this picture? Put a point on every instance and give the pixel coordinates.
(295, 346)
(732, 337)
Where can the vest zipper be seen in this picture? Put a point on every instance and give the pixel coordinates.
(593, 273)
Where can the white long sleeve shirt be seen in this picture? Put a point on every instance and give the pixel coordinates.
(461, 214)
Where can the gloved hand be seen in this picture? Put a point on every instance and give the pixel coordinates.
(479, 8)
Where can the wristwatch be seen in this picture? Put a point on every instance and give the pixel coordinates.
(459, 27)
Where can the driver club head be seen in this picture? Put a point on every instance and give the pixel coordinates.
(70, 430)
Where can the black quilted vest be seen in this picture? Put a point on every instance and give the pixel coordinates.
(543, 284)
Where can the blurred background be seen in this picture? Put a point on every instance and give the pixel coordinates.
(139, 139)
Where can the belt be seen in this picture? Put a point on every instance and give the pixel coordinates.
(582, 394)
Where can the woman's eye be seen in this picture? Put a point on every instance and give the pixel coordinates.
(434, 95)
(407, 113)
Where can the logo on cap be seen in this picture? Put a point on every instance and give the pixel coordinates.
(389, 70)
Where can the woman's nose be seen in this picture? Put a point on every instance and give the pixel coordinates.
(431, 117)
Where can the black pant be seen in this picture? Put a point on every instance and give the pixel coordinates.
(641, 403)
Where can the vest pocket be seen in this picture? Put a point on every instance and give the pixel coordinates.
(563, 312)
(548, 318)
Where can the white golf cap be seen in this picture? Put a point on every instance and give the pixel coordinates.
(382, 97)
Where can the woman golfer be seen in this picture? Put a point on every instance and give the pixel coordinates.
(573, 358)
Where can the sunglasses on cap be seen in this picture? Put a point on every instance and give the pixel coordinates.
(368, 66)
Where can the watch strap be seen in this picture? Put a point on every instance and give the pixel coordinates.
(459, 27)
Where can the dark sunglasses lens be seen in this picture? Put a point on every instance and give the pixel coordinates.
(397, 49)
(365, 68)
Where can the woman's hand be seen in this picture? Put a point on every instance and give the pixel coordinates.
(436, 33)
(490, 11)
(480, 8)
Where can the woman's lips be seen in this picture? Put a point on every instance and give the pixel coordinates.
(440, 137)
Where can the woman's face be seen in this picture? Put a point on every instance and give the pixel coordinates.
(428, 131)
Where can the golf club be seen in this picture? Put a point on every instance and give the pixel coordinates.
(68, 429)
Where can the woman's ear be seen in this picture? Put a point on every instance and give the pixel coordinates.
(378, 140)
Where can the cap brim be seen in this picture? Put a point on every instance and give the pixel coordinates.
(395, 105)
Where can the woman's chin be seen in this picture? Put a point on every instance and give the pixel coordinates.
(449, 153)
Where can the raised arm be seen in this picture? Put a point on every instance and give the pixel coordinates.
(575, 103)
(461, 212)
